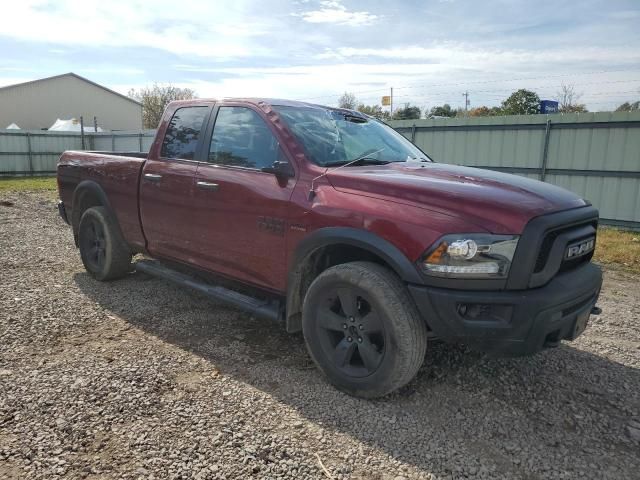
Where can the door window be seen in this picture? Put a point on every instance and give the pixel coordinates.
(181, 139)
(241, 138)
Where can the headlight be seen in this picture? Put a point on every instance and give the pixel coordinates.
(471, 255)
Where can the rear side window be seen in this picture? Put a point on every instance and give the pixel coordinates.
(181, 139)
(241, 138)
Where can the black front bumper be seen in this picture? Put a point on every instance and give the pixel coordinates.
(517, 322)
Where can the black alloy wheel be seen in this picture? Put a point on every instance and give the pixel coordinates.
(350, 331)
(94, 243)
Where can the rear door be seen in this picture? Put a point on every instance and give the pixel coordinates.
(167, 186)
(240, 212)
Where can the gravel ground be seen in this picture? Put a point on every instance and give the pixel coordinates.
(140, 379)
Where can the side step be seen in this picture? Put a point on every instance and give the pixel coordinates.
(260, 308)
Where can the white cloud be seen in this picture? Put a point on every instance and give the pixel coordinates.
(206, 29)
(221, 48)
(334, 12)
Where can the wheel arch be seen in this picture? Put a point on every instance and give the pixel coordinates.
(86, 195)
(331, 246)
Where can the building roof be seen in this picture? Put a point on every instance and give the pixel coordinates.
(71, 74)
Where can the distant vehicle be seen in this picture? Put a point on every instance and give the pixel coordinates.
(335, 224)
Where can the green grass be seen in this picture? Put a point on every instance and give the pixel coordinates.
(24, 184)
(618, 248)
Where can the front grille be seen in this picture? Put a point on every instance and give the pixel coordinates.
(549, 241)
(572, 263)
(543, 245)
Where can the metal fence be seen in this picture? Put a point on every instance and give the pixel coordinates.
(37, 152)
(596, 155)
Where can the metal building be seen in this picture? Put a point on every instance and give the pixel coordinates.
(36, 105)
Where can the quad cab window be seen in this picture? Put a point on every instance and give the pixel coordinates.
(242, 139)
(181, 139)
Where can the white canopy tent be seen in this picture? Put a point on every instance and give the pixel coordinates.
(71, 125)
(13, 126)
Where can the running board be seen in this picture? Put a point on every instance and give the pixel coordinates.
(260, 308)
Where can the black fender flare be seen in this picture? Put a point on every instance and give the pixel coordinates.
(323, 237)
(87, 187)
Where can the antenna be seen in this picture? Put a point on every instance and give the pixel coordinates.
(312, 191)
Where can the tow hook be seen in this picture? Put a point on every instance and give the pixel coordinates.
(596, 311)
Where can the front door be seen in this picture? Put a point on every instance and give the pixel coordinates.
(167, 188)
(240, 211)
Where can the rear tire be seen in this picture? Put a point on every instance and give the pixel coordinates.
(363, 330)
(104, 252)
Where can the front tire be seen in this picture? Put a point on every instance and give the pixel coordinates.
(104, 252)
(363, 330)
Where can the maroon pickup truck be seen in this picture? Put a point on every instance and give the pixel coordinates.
(333, 223)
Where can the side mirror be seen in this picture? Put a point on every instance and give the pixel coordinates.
(279, 169)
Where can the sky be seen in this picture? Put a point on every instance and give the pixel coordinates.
(429, 51)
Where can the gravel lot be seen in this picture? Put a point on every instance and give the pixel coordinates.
(140, 379)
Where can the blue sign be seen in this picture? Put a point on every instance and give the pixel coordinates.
(549, 106)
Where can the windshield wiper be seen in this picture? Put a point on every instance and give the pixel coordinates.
(359, 161)
(362, 156)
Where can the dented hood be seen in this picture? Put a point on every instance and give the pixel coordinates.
(497, 202)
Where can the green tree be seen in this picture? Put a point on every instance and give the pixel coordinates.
(348, 100)
(373, 111)
(156, 98)
(408, 112)
(442, 111)
(521, 102)
(628, 107)
(485, 111)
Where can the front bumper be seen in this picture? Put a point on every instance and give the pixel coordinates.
(518, 322)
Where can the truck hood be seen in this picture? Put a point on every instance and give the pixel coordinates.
(497, 202)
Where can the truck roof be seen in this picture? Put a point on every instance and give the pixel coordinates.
(260, 101)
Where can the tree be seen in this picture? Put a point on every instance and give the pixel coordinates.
(155, 99)
(628, 107)
(348, 100)
(373, 111)
(485, 111)
(442, 111)
(568, 100)
(407, 112)
(521, 102)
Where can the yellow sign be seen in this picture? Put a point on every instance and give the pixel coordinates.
(386, 101)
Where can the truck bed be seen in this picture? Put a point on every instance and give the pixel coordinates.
(118, 175)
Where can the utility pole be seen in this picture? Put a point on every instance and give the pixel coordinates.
(466, 102)
(391, 106)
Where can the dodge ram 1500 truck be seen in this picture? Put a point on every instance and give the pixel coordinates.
(335, 224)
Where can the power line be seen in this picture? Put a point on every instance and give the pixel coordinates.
(476, 82)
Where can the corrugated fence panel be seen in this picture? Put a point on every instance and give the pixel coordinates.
(596, 155)
(10, 158)
(37, 152)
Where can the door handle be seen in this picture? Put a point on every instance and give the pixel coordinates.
(153, 177)
(207, 186)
